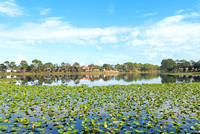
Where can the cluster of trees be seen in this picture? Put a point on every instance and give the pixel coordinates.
(38, 66)
(170, 65)
(131, 67)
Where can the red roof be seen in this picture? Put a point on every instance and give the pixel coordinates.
(85, 68)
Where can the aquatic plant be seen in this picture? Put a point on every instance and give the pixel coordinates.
(136, 108)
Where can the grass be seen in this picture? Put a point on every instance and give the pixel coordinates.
(7, 80)
(61, 73)
(78, 73)
(146, 108)
(186, 73)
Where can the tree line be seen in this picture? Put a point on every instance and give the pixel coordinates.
(38, 66)
(170, 65)
(167, 65)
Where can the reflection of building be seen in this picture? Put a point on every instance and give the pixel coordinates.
(86, 78)
(9, 77)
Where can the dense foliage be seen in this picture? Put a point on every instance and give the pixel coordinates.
(180, 65)
(38, 66)
(145, 108)
(167, 65)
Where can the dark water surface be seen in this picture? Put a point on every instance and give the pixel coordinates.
(103, 80)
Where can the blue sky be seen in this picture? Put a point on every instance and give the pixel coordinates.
(99, 31)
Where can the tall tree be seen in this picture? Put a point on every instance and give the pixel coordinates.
(12, 65)
(2, 67)
(6, 63)
(24, 64)
(129, 66)
(49, 65)
(91, 66)
(37, 65)
(107, 66)
(118, 67)
(168, 64)
(76, 64)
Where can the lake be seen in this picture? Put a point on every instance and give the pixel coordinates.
(103, 80)
(124, 108)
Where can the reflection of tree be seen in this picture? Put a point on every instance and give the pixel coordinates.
(135, 77)
(49, 79)
(77, 81)
(179, 78)
(196, 79)
(168, 79)
(107, 78)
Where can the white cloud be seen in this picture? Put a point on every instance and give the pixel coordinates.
(10, 8)
(179, 11)
(56, 30)
(172, 35)
(19, 59)
(44, 11)
(109, 39)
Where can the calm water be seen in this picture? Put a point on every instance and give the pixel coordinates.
(100, 80)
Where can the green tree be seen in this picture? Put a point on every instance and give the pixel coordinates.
(76, 67)
(91, 66)
(129, 66)
(12, 65)
(147, 67)
(184, 64)
(37, 65)
(24, 64)
(119, 67)
(168, 64)
(107, 66)
(197, 65)
(2, 67)
(6, 63)
(49, 65)
(67, 66)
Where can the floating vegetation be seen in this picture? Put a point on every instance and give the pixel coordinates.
(7, 80)
(146, 108)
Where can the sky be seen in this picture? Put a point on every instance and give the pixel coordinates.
(99, 31)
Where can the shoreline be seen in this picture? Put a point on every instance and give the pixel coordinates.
(78, 73)
(186, 73)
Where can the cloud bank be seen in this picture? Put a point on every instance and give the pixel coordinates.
(174, 35)
(10, 8)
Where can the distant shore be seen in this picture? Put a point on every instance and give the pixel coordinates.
(75, 73)
(98, 73)
(184, 73)
(63, 73)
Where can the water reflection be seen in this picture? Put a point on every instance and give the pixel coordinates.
(179, 79)
(92, 80)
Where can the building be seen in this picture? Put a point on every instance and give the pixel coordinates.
(85, 68)
(10, 70)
